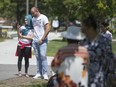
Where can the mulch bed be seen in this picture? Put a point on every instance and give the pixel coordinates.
(20, 82)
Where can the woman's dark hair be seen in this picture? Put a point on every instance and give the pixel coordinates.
(105, 24)
(90, 22)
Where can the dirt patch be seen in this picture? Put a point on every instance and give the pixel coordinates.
(20, 82)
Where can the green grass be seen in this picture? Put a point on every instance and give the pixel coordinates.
(2, 39)
(114, 36)
(114, 47)
(54, 45)
(2, 83)
(37, 84)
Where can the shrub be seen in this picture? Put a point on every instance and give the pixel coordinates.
(112, 30)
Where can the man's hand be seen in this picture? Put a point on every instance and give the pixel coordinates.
(40, 42)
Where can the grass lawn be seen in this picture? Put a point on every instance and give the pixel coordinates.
(54, 45)
(36, 84)
(23, 82)
(114, 47)
(1, 39)
(114, 36)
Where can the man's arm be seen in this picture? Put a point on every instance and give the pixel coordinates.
(47, 30)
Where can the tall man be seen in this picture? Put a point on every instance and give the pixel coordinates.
(41, 30)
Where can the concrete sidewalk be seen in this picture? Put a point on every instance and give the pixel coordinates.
(8, 60)
(8, 71)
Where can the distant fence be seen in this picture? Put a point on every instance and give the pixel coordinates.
(4, 34)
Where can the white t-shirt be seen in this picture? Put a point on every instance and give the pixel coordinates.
(55, 24)
(26, 41)
(39, 26)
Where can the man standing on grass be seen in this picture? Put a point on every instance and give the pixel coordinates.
(41, 30)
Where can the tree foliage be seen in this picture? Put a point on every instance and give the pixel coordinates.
(64, 9)
(8, 9)
(79, 9)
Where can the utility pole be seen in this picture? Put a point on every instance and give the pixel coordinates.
(17, 10)
(35, 3)
(27, 7)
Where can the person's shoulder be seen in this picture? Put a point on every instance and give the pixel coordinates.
(73, 47)
(83, 49)
(103, 39)
(108, 32)
(43, 16)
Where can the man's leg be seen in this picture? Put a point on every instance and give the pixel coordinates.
(43, 49)
(38, 60)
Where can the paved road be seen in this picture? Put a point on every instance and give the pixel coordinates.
(8, 60)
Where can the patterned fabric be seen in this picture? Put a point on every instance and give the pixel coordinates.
(107, 34)
(70, 64)
(101, 56)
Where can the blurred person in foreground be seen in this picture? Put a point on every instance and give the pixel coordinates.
(70, 62)
(24, 45)
(41, 30)
(100, 52)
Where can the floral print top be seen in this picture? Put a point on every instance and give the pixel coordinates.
(100, 57)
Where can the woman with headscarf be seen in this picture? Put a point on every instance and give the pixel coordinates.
(25, 35)
(100, 53)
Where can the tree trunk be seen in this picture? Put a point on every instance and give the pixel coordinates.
(0, 32)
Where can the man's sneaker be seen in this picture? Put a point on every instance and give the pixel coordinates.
(45, 77)
(37, 76)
